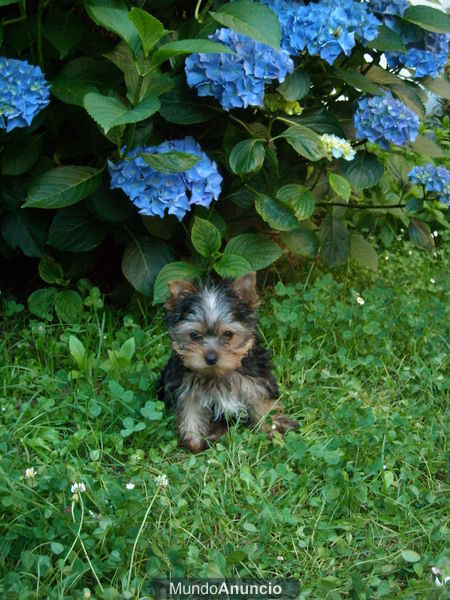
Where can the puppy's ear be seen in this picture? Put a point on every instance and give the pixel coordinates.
(245, 288)
(180, 288)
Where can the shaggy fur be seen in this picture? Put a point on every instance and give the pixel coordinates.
(218, 368)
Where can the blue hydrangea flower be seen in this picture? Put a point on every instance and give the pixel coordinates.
(389, 7)
(154, 192)
(427, 52)
(23, 93)
(237, 80)
(385, 120)
(326, 28)
(434, 179)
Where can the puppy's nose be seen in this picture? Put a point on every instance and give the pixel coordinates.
(211, 358)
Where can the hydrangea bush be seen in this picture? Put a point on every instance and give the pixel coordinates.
(182, 137)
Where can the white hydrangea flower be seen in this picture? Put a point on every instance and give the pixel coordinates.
(78, 487)
(162, 480)
(336, 147)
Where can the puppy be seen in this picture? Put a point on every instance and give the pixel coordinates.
(218, 368)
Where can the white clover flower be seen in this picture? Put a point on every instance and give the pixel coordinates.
(130, 485)
(336, 147)
(78, 487)
(386, 257)
(432, 280)
(410, 252)
(402, 230)
(360, 300)
(280, 558)
(162, 480)
(30, 473)
(435, 233)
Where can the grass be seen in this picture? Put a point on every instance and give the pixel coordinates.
(355, 504)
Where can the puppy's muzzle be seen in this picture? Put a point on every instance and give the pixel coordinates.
(211, 358)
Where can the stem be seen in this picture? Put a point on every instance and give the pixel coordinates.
(129, 132)
(40, 11)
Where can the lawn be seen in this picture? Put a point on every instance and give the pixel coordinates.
(354, 504)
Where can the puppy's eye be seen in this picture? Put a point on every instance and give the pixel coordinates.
(196, 336)
(228, 334)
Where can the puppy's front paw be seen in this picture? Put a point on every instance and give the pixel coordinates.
(282, 424)
(194, 445)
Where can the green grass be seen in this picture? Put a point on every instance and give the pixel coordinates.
(355, 504)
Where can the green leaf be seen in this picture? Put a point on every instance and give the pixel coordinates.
(50, 271)
(77, 350)
(56, 548)
(149, 28)
(363, 252)
(322, 121)
(259, 250)
(408, 94)
(150, 412)
(274, 213)
(302, 241)
(298, 198)
(387, 40)
(171, 49)
(399, 167)
(247, 157)
(63, 29)
(75, 229)
(340, 185)
(21, 154)
(205, 237)
(25, 230)
(365, 170)
(232, 265)
(252, 19)
(439, 86)
(114, 16)
(171, 162)
(69, 306)
(40, 302)
(358, 81)
(424, 146)
(142, 260)
(81, 76)
(63, 186)
(171, 272)
(410, 556)
(182, 106)
(419, 234)
(304, 141)
(109, 112)
(335, 242)
(295, 86)
(428, 18)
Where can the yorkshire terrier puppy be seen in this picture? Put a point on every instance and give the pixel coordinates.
(218, 368)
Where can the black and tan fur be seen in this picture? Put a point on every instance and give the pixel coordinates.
(218, 368)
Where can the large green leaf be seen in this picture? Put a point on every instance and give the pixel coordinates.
(424, 146)
(365, 170)
(358, 81)
(363, 252)
(419, 234)
(142, 260)
(247, 157)
(41, 302)
(387, 40)
(51, 271)
(109, 112)
(63, 186)
(410, 95)
(259, 250)
(302, 241)
(232, 265)
(182, 106)
(428, 18)
(439, 86)
(171, 272)
(171, 162)
(69, 306)
(149, 28)
(205, 237)
(298, 198)
(304, 141)
(335, 241)
(274, 213)
(171, 49)
(75, 229)
(20, 155)
(252, 19)
(64, 30)
(340, 185)
(114, 16)
(322, 121)
(296, 85)
(26, 230)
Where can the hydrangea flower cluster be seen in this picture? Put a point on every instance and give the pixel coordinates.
(434, 179)
(427, 52)
(336, 147)
(389, 7)
(327, 28)
(385, 120)
(154, 192)
(23, 93)
(237, 80)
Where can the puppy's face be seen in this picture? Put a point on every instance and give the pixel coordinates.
(212, 327)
